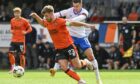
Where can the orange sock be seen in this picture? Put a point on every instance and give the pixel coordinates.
(22, 61)
(73, 74)
(83, 63)
(11, 58)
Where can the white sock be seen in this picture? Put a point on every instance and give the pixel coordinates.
(12, 66)
(96, 69)
(56, 66)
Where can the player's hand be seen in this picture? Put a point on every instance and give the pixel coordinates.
(24, 32)
(33, 15)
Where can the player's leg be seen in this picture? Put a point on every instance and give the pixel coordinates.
(64, 66)
(73, 55)
(54, 69)
(22, 60)
(77, 63)
(56, 66)
(11, 57)
(89, 53)
(22, 54)
(12, 61)
(63, 61)
(86, 47)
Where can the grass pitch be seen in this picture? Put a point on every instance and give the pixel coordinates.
(43, 77)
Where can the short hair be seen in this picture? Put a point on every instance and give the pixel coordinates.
(77, 1)
(17, 9)
(124, 17)
(47, 9)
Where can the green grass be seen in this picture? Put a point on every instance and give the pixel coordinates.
(43, 77)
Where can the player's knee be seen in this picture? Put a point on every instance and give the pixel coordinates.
(22, 53)
(78, 66)
(91, 58)
(64, 68)
(10, 53)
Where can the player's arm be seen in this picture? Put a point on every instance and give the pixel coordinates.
(79, 24)
(12, 28)
(29, 29)
(39, 19)
(80, 18)
(62, 13)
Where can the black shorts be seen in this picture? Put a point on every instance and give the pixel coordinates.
(66, 53)
(18, 47)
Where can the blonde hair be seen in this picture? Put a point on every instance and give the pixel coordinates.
(17, 9)
(47, 9)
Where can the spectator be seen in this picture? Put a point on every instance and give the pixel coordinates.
(133, 16)
(27, 11)
(93, 38)
(138, 10)
(49, 55)
(102, 56)
(115, 59)
(31, 54)
(40, 52)
(4, 17)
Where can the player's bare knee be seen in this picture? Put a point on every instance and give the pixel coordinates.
(22, 53)
(64, 68)
(91, 58)
(78, 66)
(10, 53)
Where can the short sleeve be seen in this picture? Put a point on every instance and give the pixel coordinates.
(85, 12)
(62, 13)
(27, 24)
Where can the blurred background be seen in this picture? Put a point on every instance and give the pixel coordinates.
(110, 50)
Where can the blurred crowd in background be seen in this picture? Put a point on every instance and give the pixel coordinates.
(41, 55)
(99, 10)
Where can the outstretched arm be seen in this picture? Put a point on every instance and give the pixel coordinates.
(78, 24)
(39, 19)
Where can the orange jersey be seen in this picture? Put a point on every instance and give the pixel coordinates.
(17, 28)
(59, 33)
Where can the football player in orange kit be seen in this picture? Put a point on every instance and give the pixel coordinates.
(19, 28)
(66, 51)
